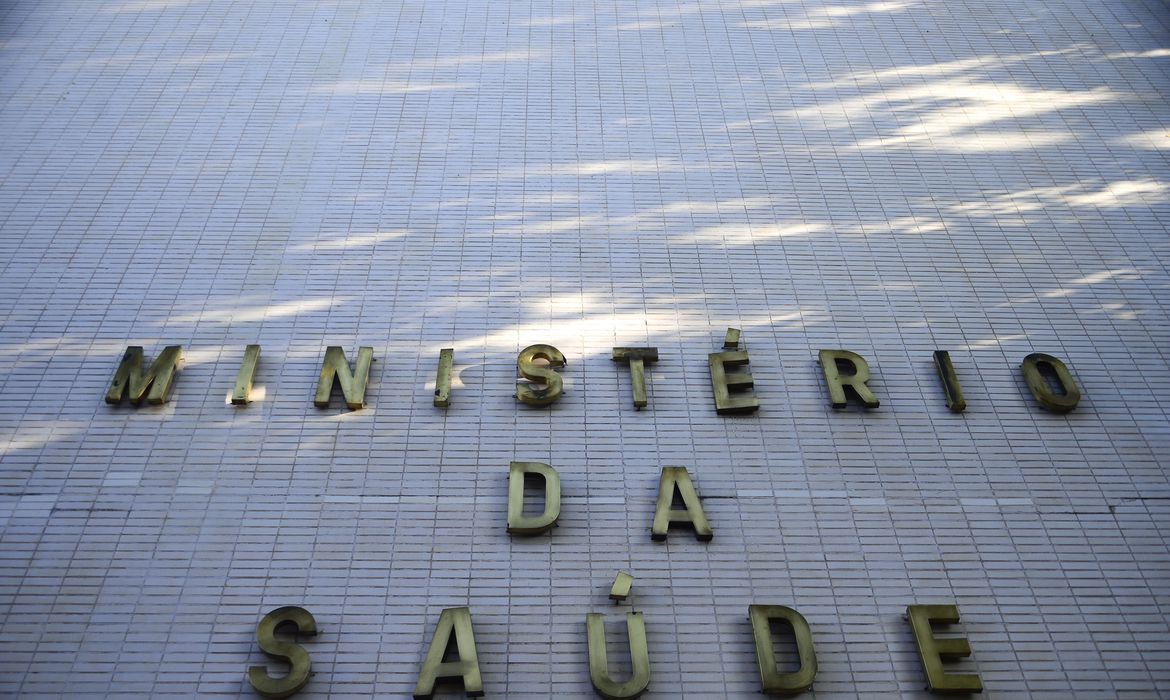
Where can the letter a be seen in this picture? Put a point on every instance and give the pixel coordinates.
(455, 621)
(676, 481)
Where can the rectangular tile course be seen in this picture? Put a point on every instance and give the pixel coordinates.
(890, 178)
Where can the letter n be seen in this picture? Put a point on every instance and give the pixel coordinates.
(336, 368)
(129, 379)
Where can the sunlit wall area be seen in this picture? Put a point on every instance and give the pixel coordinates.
(888, 178)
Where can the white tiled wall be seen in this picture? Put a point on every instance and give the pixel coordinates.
(893, 177)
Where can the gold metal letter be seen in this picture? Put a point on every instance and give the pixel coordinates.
(129, 379)
(336, 367)
(638, 359)
(950, 381)
(552, 381)
(676, 480)
(1043, 390)
(620, 590)
(724, 382)
(932, 650)
(457, 620)
(293, 653)
(443, 378)
(533, 524)
(855, 381)
(599, 664)
(771, 678)
(241, 394)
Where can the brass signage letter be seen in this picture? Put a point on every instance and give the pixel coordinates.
(932, 650)
(950, 381)
(533, 524)
(830, 363)
(526, 363)
(466, 666)
(336, 367)
(443, 378)
(242, 393)
(1034, 367)
(605, 686)
(622, 583)
(772, 680)
(291, 652)
(676, 481)
(724, 382)
(638, 358)
(129, 379)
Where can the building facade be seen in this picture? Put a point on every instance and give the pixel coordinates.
(888, 178)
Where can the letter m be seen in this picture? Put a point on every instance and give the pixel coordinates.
(129, 378)
(336, 368)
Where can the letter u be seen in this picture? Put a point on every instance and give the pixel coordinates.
(605, 686)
